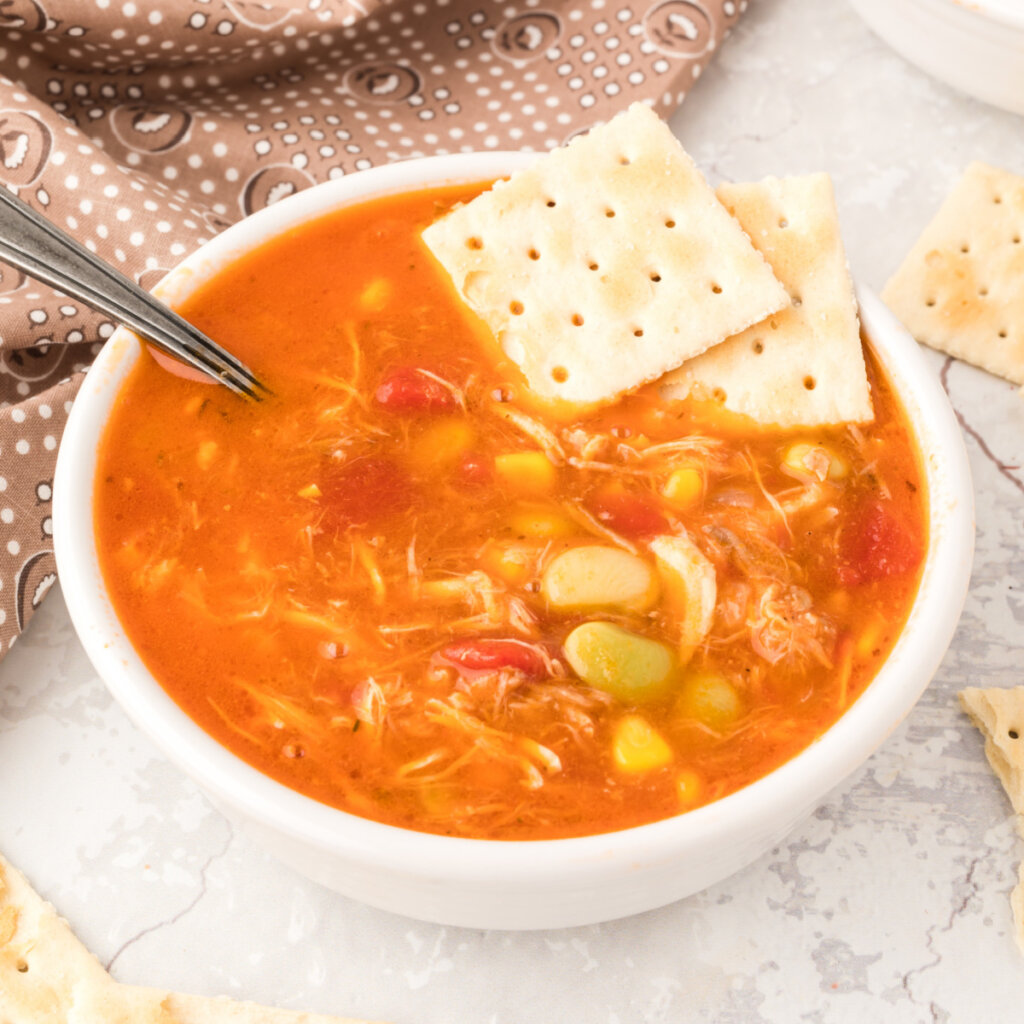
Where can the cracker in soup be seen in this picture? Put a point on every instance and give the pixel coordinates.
(959, 288)
(804, 365)
(605, 263)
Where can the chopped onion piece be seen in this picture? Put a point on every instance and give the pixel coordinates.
(690, 586)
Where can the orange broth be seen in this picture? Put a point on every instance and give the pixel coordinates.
(340, 587)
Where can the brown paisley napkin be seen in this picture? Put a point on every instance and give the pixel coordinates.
(144, 127)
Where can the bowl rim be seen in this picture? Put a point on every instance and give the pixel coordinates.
(798, 784)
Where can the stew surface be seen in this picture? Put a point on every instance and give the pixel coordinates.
(402, 589)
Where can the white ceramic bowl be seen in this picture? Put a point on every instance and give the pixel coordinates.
(976, 46)
(519, 885)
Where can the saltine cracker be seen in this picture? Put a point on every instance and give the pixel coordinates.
(998, 713)
(605, 263)
(48, 977)
(959, 288)
(802, 366)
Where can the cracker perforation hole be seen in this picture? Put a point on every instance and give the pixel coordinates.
(559, 374)
(783, 223)
(551, 204)
(624, 160)
(609, 212)
(21, 966)
(997, 200)
(983, 291)
(810, 383)
(655, 276)
(965, 248)
(929, 302)
(515, 308)
(474, 243)
(1013, 734)
(718, 394)
(717, 289)
(1002, 333)
(533, 254)
(577, 319)
(797, 302)
(670, 223)
(1016, 239)
(773, 324)
(638, 333)
(592, 266)
(758, 347)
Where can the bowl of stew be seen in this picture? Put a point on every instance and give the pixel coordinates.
(458, 659)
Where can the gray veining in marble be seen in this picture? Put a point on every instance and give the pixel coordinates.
(889, 904)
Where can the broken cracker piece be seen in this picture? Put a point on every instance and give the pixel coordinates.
(605, 263)
(43, 967)
(959, 288)
(136, 1005)
(803, 366)
(48, 977)
(998, 713)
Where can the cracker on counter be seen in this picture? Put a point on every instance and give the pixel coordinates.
(48, 977)
(137, 1005)
(998, 713)
(959, 288)
(44, 969)
(605, 263)
(803, 366)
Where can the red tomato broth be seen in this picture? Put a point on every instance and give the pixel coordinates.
(338, 587)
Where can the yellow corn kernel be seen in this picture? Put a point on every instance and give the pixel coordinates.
(542, 523)
(688, 786)
(869, 639)
(807, 460)
(310, 491)
(526, 472)
(206, 453)
(376, 295)
(512, 563)
(684, 487)
(637, 747)
(442, 444)
(710, 699)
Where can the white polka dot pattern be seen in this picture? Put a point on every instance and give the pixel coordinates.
(143, 129)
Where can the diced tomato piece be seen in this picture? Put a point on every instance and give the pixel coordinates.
(633, 515)
(407, 390)
(487, 655)
(876, 544)
(365, 491)
(474, 470)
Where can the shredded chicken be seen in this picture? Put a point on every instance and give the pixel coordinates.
(545, 439)
(530, 758)
(784, 625)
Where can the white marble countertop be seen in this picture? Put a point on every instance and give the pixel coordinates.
(890, 904)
